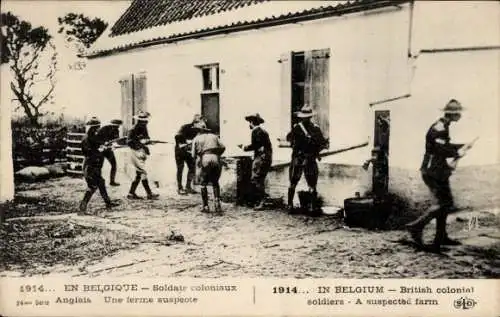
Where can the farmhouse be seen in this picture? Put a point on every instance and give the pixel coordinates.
(353, 61)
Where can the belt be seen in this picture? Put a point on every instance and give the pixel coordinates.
(210, 151)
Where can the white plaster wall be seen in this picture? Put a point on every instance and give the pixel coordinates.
(451, 24)
(470, 77)
(368, 63)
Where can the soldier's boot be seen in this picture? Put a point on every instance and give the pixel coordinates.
(112, 176)
(204, 198)
(189, 183)
(218, 207)
(291, 193)
(416, 227)
(150, 194)
(180, 189)
(105, 196)
(133, 188)
(86, 198)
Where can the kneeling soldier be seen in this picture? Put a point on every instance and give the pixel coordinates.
(94, 158)
(207, 150)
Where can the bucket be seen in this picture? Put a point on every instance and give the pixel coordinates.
(361, 212)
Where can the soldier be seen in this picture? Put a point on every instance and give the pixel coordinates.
(263, 157)
(94, 158)
(183, 140)
(206, 150)
(137, 140)
(107, 134)
(436, 173)
(307, 141)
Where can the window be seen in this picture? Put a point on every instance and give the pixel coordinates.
(305, 80)
(210, 105)
(210, 76)
(133, 91)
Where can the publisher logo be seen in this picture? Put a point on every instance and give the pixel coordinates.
(464, 303)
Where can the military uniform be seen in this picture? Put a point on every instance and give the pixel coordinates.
(307, 141)
(207, 149)
(92, 166)
(435, 174)
(109, 133)
(184, 136)
(137, 140)
(263, 158)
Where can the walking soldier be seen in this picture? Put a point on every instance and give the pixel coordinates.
(263, 158)
(109, 133)
(183, 140)
(207, 150)
(138, 139)
(307, 141)
(92, 148)
(436, 173)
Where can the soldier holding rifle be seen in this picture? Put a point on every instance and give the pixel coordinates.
(436, 172)
(138, 141)
(108, 134)
(93, 150)
(263, 158)
(183, 140)
(307, 141)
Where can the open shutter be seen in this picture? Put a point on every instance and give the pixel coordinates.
(286, 96)
(140, 101)
(317, 89)
(127, 106)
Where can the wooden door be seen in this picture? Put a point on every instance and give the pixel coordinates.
(317, 87)
(210, 109)
(127, 106)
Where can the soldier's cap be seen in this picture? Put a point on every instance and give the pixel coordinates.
(142, 116)
(254, 118)
(197, 117)
(453, 106)
(305, 112)
(116, 121)
(94, 121)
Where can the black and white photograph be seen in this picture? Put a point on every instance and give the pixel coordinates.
(250, 139)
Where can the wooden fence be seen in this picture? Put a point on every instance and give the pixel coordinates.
(74, 153)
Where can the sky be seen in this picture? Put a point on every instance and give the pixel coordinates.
(45, 13)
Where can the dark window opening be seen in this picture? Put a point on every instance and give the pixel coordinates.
(298, 83)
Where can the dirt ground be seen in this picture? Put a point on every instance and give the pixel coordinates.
(170, 237)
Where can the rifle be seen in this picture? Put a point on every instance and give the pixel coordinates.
(453, 162)
(152, 142)
(114, 144)
(322, 154)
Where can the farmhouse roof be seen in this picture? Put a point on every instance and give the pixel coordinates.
(150, 22)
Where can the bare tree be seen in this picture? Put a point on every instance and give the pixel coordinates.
(32, 59)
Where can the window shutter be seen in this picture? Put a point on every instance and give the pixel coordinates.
(286, 95)
(140, 101)
(127, 103)
(317, 90)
